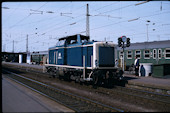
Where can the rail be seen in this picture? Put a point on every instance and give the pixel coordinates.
(141, 98)
(72, 101)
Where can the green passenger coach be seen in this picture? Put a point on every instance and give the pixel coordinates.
(156, 52)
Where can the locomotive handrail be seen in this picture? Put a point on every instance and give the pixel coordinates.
(79, 67)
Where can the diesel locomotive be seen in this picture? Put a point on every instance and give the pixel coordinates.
(79, 59)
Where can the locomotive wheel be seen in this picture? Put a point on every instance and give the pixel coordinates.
(109, 81)
(81, 83)
(77, 79)
(67, 77)
(60, 77)
(95, 81)
(51, 74)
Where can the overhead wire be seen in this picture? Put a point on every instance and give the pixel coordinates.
(6, 20)
(109, 24)
(28, 15)
(110, 11)
(81, 15)
(56, 16)
(106, 6)
(25, 17)
(66, 21)
(78, 16)
(125, 21)
(94, 10)
(38, 9)
(113, 23)
(42, 6)
(117, 8)
(46, 19)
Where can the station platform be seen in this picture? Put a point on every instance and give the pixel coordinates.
(162, 83)
(17, 98)
(24, 65)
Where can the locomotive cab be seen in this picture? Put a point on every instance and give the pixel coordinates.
(74, 40)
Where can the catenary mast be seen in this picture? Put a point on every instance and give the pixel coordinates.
(87, 22)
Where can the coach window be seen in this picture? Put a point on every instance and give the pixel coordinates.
(129, 54)
(160, 53)
(167, 53)
(138, 53)
(147, 54)
(154, 54)
(120, 54)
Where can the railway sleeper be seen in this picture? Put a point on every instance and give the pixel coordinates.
(28, 82)
(45, 89)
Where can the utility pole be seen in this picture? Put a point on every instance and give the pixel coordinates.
(87, 22)
(123, 56)
(4, 47)
(13, 47)
(147, 32)
(27, 44)
(161, 6)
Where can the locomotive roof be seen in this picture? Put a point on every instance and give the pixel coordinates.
(148, 45)
(74, 37)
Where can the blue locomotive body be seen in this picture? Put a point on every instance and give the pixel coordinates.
(71, 54)
(83, 60)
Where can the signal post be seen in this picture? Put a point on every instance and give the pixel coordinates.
(121, 43)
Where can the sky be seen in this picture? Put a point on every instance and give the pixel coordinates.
(44, 22)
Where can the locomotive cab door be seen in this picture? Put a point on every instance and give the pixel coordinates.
(56, 57)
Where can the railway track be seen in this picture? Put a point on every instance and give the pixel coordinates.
(150, 100)
(154, 89)
(147, 94)
(72, 101)
(140, 97)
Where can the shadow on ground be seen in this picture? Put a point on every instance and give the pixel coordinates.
(124, 81)
(9, 69)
